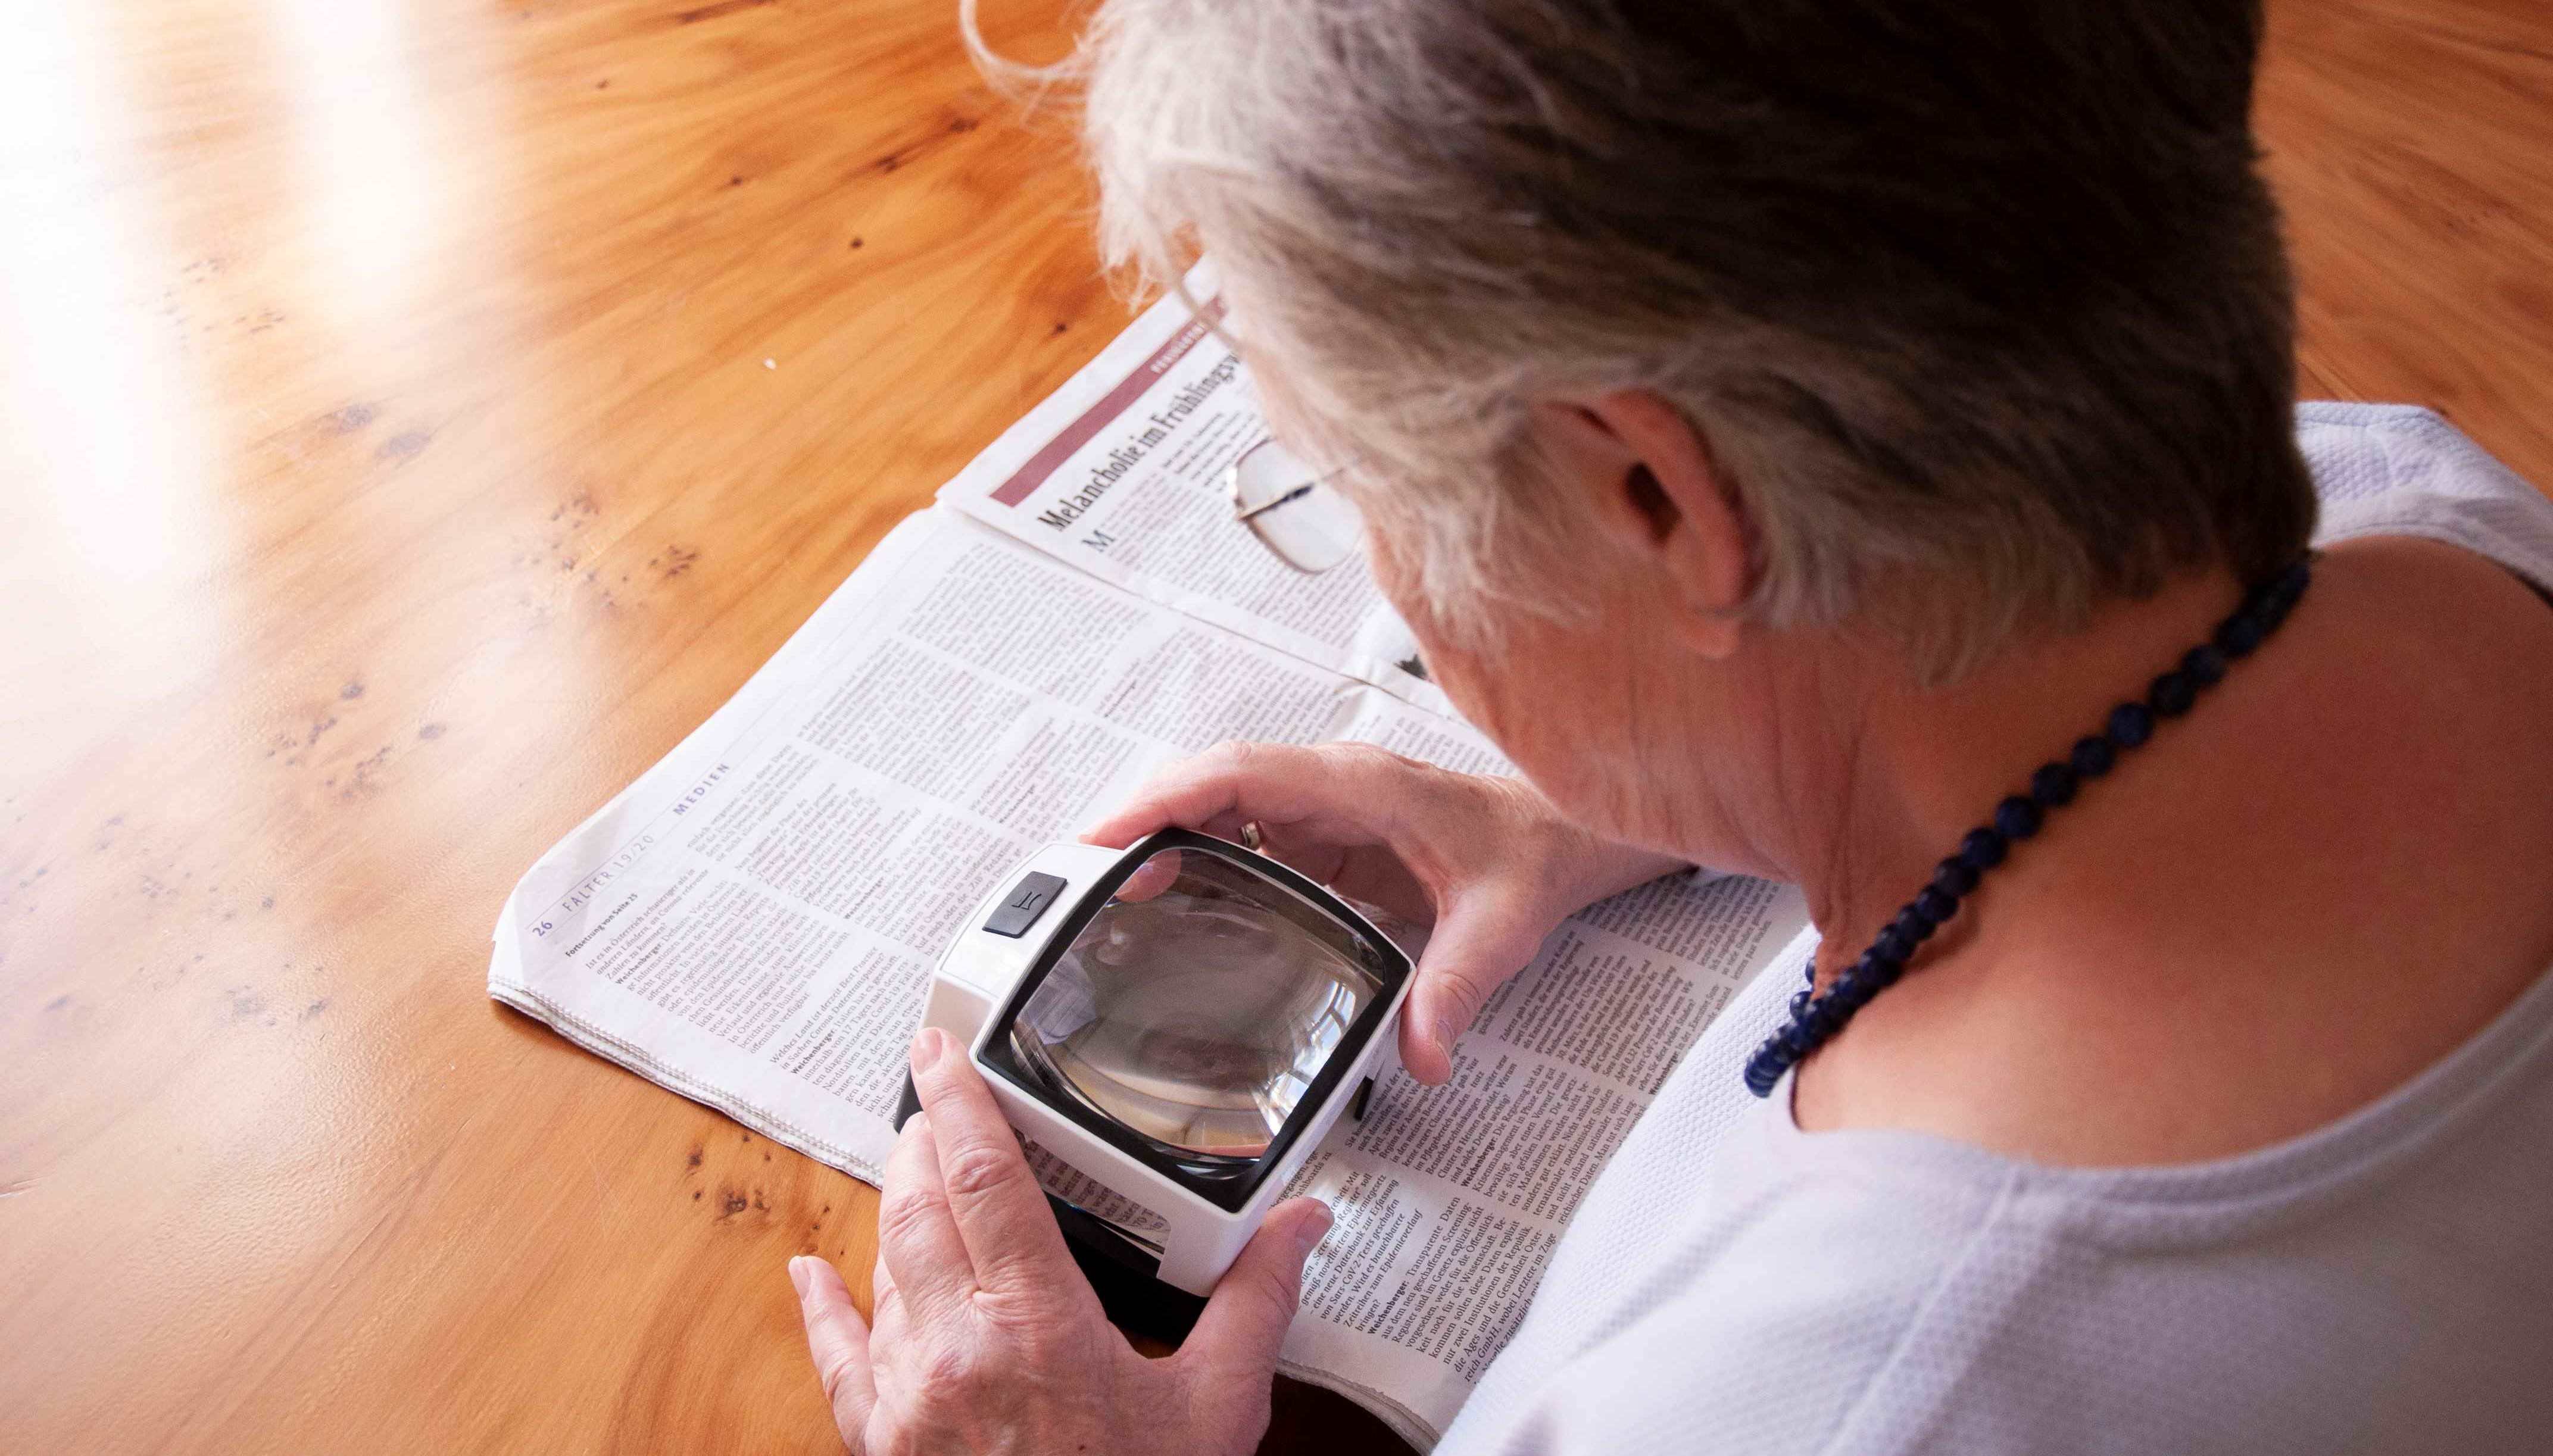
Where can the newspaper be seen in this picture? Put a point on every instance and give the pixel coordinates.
(752, 924)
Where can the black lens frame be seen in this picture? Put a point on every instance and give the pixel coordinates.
(1228, 1194)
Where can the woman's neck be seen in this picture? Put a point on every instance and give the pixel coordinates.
(1910, 768)
(2322, 879)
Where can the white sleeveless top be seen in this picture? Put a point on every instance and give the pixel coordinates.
(2384, 1284)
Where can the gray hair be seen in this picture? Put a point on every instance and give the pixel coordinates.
(1986, 298)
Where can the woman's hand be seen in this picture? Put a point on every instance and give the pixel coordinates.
(988, 1339)
(1487, 860)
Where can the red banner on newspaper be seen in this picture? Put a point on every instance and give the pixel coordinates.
(1098, 416)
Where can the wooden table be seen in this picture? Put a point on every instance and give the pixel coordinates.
(414, 419)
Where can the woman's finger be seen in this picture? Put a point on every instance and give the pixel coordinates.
(1333, 788)
(839, 1343)
(1371, 873)
(1314, 857)
(917, 1232)
(1157, 873)
(1238, 1336)
(1000, 1212)
(1189, 793)
(1479, 942)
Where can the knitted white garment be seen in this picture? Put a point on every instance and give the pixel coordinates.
(2384, 1284)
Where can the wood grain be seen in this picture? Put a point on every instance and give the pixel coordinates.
(414, 419)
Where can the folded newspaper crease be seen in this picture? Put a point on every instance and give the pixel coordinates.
(752, 923)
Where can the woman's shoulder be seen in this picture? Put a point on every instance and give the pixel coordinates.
(2315, 890)
(1880, 1291)
(1865, 1306)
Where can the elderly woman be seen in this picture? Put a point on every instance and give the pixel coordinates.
(1851, 441)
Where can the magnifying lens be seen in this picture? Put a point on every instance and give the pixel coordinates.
(1180, 1023)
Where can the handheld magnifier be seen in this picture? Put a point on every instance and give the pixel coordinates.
(1181, 1023)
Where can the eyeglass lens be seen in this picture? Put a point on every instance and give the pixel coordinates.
(1308, 524)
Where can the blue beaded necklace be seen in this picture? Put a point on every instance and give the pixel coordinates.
(1815, 1020)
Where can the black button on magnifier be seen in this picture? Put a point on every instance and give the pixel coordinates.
(1026, 901)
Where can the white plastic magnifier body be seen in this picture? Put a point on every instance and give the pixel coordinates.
(1182, 1021)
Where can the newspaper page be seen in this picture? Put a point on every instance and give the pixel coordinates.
(1122, 474)
(1449, 1201)
(753, 923)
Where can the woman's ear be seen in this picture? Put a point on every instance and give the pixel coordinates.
(1646, 477)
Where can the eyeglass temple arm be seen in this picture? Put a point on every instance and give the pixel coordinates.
(1297, 494)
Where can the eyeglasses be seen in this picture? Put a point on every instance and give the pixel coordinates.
(1299, 515)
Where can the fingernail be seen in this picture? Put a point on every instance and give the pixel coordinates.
(1449, 1027)
(1315, 1228)
(927, 1046)
(797, 1274)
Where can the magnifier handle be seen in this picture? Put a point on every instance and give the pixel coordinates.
(1121, 1274)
